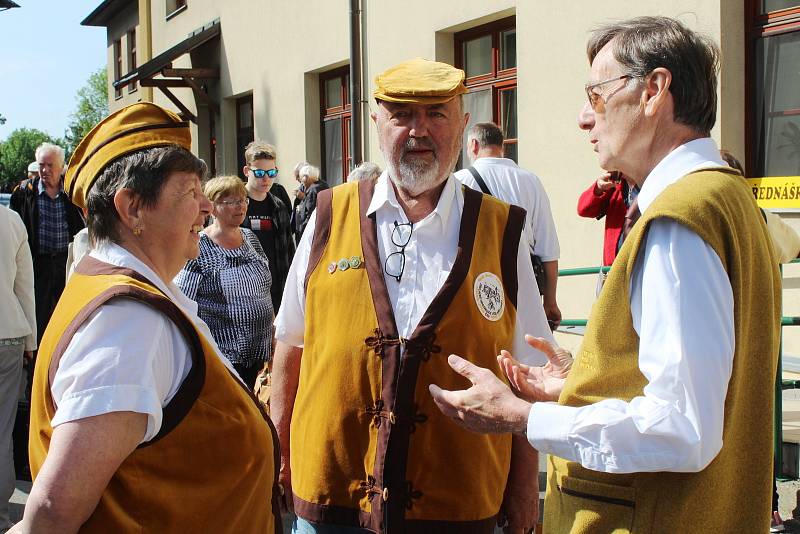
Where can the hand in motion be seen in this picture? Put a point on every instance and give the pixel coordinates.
(534, 383)
(488, 407)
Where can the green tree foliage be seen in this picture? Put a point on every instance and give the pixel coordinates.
(91, 107)
(18, 151)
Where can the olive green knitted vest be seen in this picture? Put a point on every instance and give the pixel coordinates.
(732, 494)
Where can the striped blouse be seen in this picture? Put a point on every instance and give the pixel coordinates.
(231, 288)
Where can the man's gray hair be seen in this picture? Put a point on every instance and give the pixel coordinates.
(646, 43)
(487, 134)
(145, 172)
(50, 147)
(310, 171)
(364, 171)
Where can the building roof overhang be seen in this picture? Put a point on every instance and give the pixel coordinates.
(103, 13)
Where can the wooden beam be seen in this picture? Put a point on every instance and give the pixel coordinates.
(190, 73)
(174, 99)
(202, 95)
(163, 82)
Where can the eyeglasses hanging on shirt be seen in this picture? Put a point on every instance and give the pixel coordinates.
(395, 262)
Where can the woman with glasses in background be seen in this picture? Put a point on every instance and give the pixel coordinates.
(230, 281)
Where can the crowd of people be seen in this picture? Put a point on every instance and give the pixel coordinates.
(373, 304)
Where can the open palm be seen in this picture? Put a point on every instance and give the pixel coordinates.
(538, 383)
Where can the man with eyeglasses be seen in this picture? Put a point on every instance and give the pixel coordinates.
(391, 276)
(664, 422)
(269, 213)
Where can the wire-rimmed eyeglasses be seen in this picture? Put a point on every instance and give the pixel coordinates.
(235, 202)
(596, 100)
(395, 262)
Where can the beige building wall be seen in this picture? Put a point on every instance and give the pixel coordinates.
(275, 50)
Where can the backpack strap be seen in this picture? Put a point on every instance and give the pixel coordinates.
(479, 179)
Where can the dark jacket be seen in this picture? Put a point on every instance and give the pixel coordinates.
(307, 206)
(24, 201)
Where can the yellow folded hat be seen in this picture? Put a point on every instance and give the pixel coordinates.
(419, 81)
(132, 128)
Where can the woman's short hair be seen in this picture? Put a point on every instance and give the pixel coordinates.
(300, 165)
(310, 171)
(144, 172)
(646, 43)
(224, 186)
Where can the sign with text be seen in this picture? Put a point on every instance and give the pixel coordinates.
(776, 192)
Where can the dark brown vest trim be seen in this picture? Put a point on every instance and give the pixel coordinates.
(419, 348)
(388, 330)
(322, 232)
(349, 517)
(508, 260)
(189, 390)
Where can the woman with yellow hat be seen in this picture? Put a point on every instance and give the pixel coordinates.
(138, 424)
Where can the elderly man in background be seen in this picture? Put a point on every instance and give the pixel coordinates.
(660, 425)
(390, 277)
(502, 177)
(33, 171)
(51, 221)
(312, 186)
(17, 339)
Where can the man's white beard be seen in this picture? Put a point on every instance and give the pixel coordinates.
(416, 176)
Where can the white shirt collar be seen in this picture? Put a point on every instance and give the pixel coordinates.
(495, 161)
(384, 194)
(114, 254)
(689, 157)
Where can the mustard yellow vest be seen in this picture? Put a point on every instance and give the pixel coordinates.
(732, 494)
(368, 445)
(210, 468)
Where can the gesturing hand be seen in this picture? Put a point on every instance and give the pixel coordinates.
(489, 406)
(534, 383)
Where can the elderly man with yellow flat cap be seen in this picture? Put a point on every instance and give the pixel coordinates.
(392, 275)
(138, 424)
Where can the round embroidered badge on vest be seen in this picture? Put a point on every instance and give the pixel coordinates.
(489, 296)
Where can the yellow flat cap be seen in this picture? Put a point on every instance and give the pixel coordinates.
(132, 128)
(419, 81)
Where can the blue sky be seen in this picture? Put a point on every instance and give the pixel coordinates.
(47, 56)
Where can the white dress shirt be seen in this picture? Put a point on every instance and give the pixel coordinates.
(17, 303)
(127, 356)
(682, 308)
(430, 256)
(513, 184)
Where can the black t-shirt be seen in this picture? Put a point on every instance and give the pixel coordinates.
(269, 221)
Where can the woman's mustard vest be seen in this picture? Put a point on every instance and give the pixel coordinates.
(368, 445)
(212, 465)
(732, 494)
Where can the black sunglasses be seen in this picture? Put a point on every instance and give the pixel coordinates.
(260, 173)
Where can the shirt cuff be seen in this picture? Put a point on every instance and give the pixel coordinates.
(287, 336)
(549, 426)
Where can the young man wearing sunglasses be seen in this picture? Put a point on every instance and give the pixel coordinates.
(269, 213)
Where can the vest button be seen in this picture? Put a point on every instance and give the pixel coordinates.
(385, 494)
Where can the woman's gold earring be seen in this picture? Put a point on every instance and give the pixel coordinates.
(137, 231)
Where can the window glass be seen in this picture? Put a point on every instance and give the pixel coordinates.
(479, 106)
(333, 151)
(777, 113)
(333, 93)
(508, 101)
(776, 5)
(478, 56)
(508, 49)
(511, 151)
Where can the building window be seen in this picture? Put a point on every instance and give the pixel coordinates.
(488, 56)
(174, 7)
(245, 134)
(132, 57)
(335, 128)
(774, 147)
(117, 66)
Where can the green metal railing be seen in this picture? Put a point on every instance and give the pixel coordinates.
(780, 384)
